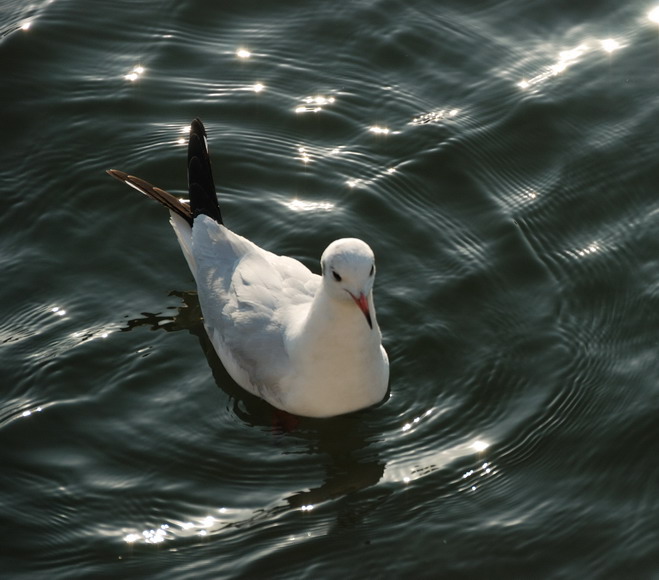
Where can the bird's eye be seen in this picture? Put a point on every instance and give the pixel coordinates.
(372, 270)
(336, 276)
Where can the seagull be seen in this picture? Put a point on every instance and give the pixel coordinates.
(308, 344)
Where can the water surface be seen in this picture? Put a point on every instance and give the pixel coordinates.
(499, 158)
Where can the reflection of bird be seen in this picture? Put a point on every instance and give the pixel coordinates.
(307, 344)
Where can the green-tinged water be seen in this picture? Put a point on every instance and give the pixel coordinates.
(501, 160)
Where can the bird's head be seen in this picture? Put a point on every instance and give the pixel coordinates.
(348, 267)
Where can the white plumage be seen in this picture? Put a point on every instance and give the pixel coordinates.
(309, 345)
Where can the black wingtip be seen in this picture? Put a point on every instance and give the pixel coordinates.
(201, 187)
(120, 175)
(160, 195)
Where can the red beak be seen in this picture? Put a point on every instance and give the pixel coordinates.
(362, 302)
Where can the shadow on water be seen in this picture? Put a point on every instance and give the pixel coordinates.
(340, 441)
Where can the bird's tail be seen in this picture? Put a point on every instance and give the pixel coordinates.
(201, 188)
(203, 199)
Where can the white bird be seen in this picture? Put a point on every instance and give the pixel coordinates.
(309, 345)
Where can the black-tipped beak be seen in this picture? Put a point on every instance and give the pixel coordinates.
(362, 302)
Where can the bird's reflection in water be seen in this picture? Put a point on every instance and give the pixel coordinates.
(340, 442)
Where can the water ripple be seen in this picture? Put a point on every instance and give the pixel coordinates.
(501, 162)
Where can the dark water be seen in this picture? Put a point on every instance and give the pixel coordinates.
(500, 158)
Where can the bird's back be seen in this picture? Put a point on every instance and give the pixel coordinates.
(248, 296)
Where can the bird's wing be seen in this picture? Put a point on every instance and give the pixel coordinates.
(248, 297)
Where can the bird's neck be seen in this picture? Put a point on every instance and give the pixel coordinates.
(339, 323)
